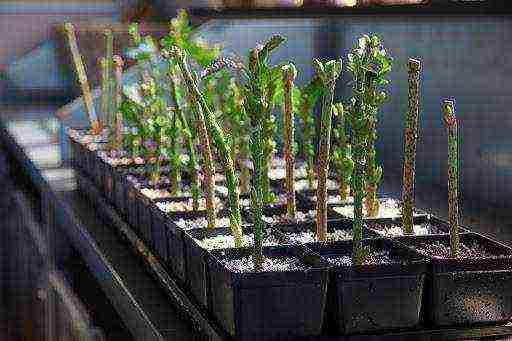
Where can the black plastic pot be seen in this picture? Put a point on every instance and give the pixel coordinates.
(163, 226)
(277, 305)
(131, 187)
(105, 170)
(436, 225)
(468, 291)
(96, 164)
(196, 259)
(374, 298)
(75, 147)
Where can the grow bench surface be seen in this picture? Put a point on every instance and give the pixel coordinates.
(174, 287)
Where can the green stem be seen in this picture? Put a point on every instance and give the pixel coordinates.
(451, 124)
(329, 77)
(96, 126)
(289, 75)
(410, 138)
(192, 158)
(342, 161)
(109, 55)
(118, 127)
(358, 178)
(206, 115)
(257, 196)
(175, 159)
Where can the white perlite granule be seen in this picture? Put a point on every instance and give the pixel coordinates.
(186, 205)
(388, 208)
(188, 224)
(303, 185)
(228, 241)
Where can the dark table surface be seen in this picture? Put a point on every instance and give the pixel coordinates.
(142, 304)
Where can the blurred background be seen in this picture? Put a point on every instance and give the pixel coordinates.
(464, 56)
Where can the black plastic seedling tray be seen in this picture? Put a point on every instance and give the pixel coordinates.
(268, 305)
(374, 297)
(170, 281)
(168, 242)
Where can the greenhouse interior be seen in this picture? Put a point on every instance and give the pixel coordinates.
(255, 170)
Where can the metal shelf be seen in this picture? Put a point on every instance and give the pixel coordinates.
(435, 8)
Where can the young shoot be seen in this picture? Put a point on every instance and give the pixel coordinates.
(328, 73)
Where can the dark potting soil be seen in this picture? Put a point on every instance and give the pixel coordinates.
(270, 264)
(228, 241)
(374, 257)
(396, 229)
(473, 250)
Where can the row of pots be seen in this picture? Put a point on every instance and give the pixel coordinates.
(311, 288)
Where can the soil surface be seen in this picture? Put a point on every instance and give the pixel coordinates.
(196, 223)
(374, 257)
(473, 249)
(186, 205)
(228, 241)
(310, 236)
(83, 137)
(152, 193)
(389, 208)
(396, 229)
(300, 217)
(279, 173)
(303, 185)
(270, 264)
(280, 201)
(332, 199)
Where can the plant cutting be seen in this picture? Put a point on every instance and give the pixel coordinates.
(108, 86)
(410, 140)
(289, 75)
(369, 64)
(240, 135)
(208, 167)
(309, 97)
(205, 117)
(181, 35)
(189, 140)
(342, 158)
(96, 126)
(328, 73)
(450, 121)
(118, 97)
(257, 74)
